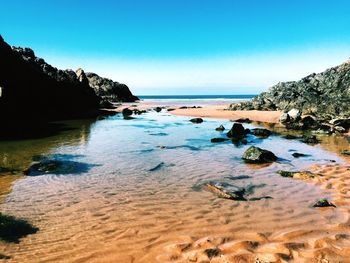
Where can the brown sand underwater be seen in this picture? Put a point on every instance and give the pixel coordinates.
(122, 208)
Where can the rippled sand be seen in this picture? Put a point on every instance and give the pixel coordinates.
(143, 200)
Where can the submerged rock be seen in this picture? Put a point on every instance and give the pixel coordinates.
(260, 132)
(297, 155)
(220, 191)
(237, 131)
(12, 228)
(215, 140)
(221, 128)
(196, 120)
(243, 120)
(257, 155)
(310, 139)
(346, 152)
(48, 166)
(323, 203)
(298, 175)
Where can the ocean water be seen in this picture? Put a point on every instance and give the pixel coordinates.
(137, 188)
(193, 100)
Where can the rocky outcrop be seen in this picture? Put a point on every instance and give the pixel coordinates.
(106, 89)
(109, 89)
(31, 89)
(324, 95)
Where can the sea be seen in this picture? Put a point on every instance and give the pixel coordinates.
(193, 100)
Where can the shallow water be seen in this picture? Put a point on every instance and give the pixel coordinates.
(141, 189)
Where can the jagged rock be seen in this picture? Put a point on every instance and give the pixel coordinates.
(215, 140)
(221, 128)
(323, 203)
(196, 120)
(237, 131)
(260, 132)
(257, 155)
(34, 90)
(324, 95)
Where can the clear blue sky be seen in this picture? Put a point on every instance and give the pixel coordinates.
(184, 46)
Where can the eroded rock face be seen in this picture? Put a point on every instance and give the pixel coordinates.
(324, 95)
(109, 89)
(257, 155)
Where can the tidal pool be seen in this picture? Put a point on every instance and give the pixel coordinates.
(141, 189)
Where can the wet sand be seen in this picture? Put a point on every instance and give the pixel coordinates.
(122, 212)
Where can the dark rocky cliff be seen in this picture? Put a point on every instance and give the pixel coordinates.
(324, 95)
(105, 89)
(32, 89)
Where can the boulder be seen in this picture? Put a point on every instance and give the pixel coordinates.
(126, 112)
(257, 155)
(237, 131)
(196, 120)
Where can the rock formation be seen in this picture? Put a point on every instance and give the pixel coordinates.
(30, 88)
(324, 95)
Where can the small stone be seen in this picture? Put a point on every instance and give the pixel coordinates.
(297, 155)
(220, 128)
(323, 203)
(196, 120)
(158, 109)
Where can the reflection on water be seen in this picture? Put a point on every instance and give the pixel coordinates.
(146, 190)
